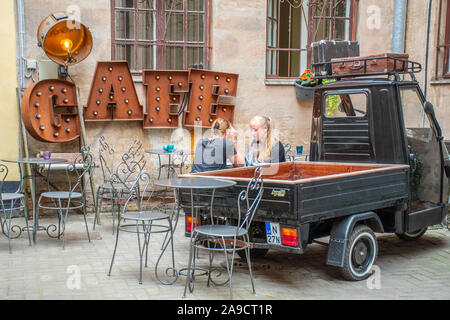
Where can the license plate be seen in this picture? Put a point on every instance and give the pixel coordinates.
(273, 233)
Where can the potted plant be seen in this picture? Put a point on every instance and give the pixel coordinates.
(304, 85)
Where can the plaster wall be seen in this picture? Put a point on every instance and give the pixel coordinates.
(9, 115)
(416, 35)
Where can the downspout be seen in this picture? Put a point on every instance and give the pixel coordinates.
(398, 32)
(21, 25)
(22, 68)
(22, 141)
(425, 86)
(430, 3)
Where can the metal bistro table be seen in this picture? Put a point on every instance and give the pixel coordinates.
(169, 165)
(193, 185)
(34, 162)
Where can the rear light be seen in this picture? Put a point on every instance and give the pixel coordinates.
(189, 221)
(289, 237)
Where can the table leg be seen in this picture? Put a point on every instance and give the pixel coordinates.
(166, 242)
(169, 166)
(159, 170)
(190, 275)
(33, 197)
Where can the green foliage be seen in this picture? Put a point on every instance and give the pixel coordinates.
(331, 100)
(415, 174)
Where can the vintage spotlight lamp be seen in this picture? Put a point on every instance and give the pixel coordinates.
(65, 40)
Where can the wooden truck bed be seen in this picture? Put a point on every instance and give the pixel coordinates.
(304, 192)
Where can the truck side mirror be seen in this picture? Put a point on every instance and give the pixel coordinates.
(429, 110)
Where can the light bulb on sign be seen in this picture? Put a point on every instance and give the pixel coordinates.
(66, 45)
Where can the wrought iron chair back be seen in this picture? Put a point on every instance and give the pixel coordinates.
(106, 158)
(10, 202)
(133, 162)
(138, 193)
(81, 168)
(127, 172)
(4, 171)
(181, 160)
(256, 185)
(134, 152)
(3, 174)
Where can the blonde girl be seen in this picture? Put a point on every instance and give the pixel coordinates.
(264, 148)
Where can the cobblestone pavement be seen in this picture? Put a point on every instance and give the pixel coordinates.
(408, 270)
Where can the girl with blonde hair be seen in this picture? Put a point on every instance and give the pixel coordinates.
(213, 153)
(264, 148)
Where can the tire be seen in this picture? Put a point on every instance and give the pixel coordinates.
(412, 236)
(254, 253)
(360, 254)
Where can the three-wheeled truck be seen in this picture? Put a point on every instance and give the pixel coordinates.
(377, 165)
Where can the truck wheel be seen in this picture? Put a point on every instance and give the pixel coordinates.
(411, 236)
(254, 253)
(360, 254)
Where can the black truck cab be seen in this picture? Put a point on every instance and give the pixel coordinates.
(383, 120)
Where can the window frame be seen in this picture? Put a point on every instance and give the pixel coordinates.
(446, 71)
(352, 35)
(160, 42)
(445, 64)
(348, 92)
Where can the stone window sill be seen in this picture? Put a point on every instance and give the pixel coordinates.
(279, 82)
(440, 81)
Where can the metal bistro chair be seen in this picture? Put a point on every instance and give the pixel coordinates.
(106, 159)
(290, 156)
(11, 203)
(74, 198)
(124, 169)
(223, 238)
(293, 156)
(147, 219)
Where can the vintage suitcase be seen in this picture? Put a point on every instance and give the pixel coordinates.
(384, 63)
(324, 51)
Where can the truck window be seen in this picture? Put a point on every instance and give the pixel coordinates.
(416, 123)
(346, 105)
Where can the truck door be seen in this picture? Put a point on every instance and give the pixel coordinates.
(424, 159)
(346, 134)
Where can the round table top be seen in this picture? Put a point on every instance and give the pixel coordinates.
(164, 152)
(195, 183)
(36, 160)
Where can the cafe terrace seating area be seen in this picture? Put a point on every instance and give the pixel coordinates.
(136, 209)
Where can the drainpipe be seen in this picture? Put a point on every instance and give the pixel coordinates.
(22, 68)
(398, 33)
(21, 25)
(430, 4)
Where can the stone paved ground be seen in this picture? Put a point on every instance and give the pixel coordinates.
(408, 270)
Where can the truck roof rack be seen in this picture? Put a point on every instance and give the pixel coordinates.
(360, 67)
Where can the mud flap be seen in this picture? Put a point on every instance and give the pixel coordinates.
(341, 231)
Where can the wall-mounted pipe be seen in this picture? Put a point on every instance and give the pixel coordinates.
(21, 49)
(430, 6)
(398, 32)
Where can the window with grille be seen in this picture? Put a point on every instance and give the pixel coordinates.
(443, 48)
(156, 34)
(293, 24)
